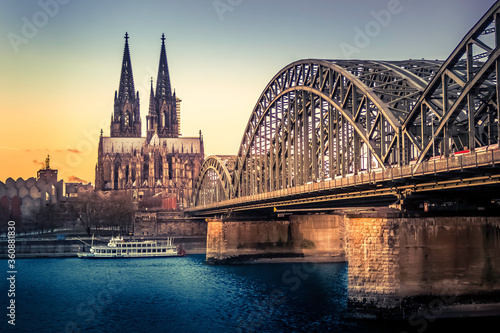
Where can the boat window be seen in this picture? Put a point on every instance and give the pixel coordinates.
(149, 250)
(113, 251)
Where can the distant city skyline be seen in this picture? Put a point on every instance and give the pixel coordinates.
(62, 59)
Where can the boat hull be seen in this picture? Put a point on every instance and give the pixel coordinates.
(86, 255)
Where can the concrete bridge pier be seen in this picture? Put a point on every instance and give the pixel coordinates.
(412, 265)
(319, 235)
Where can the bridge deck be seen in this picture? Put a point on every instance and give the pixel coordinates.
(379, 187)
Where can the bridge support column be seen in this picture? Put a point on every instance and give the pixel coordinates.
(230, 241)
(318, 237)
(216, 240)
(407, 264)
(373, 256)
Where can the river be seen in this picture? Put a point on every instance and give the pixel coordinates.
(183, 295)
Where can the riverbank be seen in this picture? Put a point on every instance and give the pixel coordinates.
(70, 246)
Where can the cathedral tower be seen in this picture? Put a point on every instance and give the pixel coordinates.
(126, 118)
(162, 116)
(161, 164)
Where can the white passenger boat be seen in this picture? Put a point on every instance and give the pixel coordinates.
(120, 248)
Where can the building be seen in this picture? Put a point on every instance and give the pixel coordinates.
(162, 163)
(73, 189)
(19, 198)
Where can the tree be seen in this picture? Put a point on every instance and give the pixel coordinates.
(96, 210)
(47, 217)
(118, 211)
(87, 208)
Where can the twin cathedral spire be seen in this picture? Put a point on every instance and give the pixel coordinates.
(163, 109)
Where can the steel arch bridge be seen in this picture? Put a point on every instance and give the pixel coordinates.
(214, 182)
(322, 119)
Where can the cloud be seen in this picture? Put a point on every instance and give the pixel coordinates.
(41, 164)
(71, 150)
(76, 179)
(9, 148)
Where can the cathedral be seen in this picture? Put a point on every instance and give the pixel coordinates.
(161, 164)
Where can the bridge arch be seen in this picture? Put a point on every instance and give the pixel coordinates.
(215, 182)
(319, 119)
(459, 109)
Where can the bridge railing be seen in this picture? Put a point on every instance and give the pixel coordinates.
(435, 166)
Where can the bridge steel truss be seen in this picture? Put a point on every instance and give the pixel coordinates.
(319, 120)
(459, 107)
(214, 182)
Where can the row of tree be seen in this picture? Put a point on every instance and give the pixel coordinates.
(96, 210)
(93, 210)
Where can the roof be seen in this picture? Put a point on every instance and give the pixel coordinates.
(128, 145)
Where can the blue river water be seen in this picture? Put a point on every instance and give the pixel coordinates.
(180, 295)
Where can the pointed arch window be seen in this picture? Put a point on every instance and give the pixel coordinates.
(116, 174)
(158, 167)
(133, 171)
(126, 173)
(145, 168)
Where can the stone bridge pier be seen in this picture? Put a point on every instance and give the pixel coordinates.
(394, 262)
(406, 263)
(319, 235)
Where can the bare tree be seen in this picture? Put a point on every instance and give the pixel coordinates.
(96, 210)
(118, 211)
(47, 217)
(88, 208)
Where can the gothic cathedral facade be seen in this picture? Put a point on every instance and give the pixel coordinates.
(160, 164)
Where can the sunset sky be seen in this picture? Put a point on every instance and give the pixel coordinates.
(61, 59)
